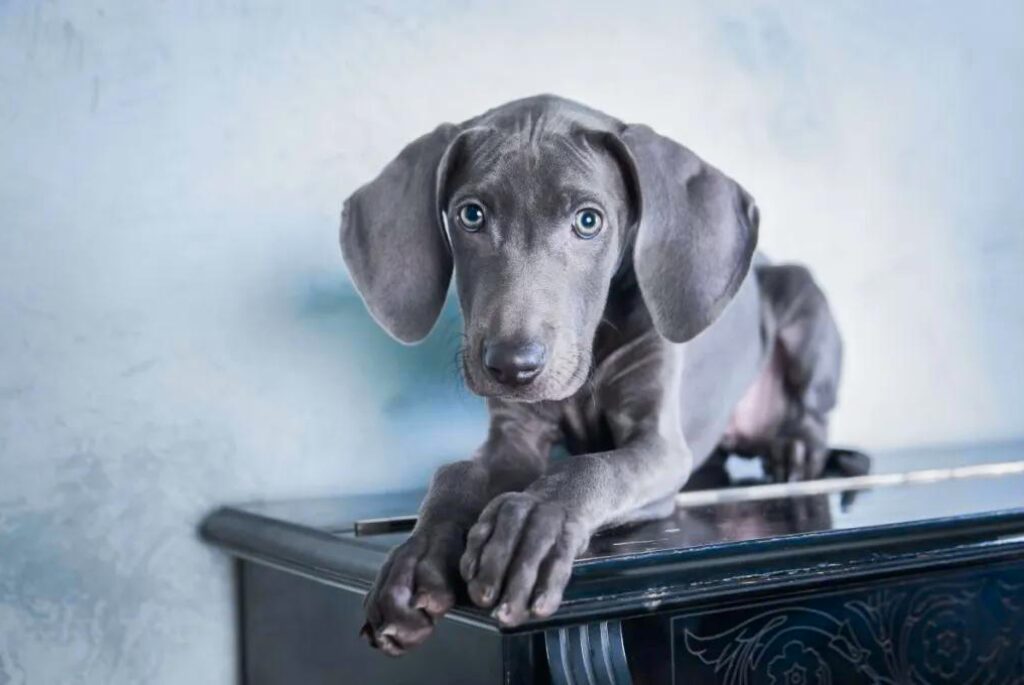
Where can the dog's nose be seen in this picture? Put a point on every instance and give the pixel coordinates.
(512, 363)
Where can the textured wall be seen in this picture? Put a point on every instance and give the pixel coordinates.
(176, 330)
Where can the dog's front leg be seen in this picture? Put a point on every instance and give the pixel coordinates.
(416, 585)
(519, 555)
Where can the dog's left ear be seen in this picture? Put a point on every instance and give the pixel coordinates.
(697, 233)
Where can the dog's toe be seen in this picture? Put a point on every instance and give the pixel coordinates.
(792, 459)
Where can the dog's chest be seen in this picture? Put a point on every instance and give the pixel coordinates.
(584, 422)
(584, 427)
(625, 337)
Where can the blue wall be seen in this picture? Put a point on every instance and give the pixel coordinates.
(176, 329)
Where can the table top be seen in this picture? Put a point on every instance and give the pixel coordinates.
(701, 552)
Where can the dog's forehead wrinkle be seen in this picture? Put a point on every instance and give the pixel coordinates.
(536, 124)
(554, 193)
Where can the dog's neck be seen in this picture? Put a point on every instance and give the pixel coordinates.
(625, 313)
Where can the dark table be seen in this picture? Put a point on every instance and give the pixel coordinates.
(909, 584)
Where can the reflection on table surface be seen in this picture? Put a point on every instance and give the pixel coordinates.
(723, 523)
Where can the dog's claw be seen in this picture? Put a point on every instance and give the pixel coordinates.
(391, 646)
(413, 589)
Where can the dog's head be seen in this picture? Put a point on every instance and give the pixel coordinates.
(538, 204)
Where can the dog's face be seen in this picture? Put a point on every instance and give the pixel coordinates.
(537, 228)
(536, 204)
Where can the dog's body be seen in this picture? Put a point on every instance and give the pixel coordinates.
(614, 305)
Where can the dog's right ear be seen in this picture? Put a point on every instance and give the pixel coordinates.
(393, 241)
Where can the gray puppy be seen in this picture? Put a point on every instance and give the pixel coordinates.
(614, 305)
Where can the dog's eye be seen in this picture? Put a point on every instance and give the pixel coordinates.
(588, 223)
(471, 216)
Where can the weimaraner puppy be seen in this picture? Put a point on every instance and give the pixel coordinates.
(614, 304)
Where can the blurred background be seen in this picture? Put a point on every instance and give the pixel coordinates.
(177, 330)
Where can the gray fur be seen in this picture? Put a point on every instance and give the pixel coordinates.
(662, 343)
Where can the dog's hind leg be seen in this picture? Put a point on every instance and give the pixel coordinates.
(806, 358)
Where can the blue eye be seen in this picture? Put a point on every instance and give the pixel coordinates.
(588, 223)
(471, 216)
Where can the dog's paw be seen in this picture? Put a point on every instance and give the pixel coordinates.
(519, 556)
(794, 459)
(414, 588)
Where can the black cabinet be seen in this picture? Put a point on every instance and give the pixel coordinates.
(919, 583)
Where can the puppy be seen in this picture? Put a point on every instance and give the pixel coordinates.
(613, 305)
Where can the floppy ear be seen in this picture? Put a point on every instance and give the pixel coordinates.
(697, 233)
(393, 242)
